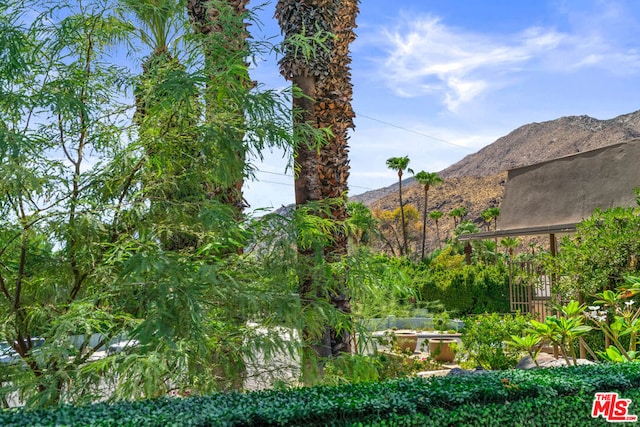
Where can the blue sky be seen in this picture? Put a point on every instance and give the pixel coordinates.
(437, 80)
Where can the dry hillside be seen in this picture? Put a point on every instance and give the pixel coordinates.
(537, 142)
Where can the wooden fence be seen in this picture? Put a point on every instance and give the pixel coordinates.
(529, 290)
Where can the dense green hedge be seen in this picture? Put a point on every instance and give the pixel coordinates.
(471, 289)
(561, 411)
(400, 402)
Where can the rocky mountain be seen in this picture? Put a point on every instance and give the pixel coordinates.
(477, 181)
(537, 142)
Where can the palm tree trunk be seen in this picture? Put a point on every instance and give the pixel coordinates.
(322, 173)
(424, 220)
(205, 17)
(403, 249)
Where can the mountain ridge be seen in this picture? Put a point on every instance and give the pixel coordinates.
(545, 141)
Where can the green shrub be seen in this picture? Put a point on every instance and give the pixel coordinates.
(395, 286)
(352, 369)
(484, 336)
(471, 289)
(458, 400)
(565, 411)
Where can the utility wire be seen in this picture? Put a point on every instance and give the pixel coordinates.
(291, 176)
(444, 141)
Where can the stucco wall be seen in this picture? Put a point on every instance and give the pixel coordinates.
(568, 189)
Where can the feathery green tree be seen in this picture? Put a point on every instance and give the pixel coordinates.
(86, 259)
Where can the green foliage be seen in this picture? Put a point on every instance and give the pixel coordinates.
(616, 317)
(564, 411)
(469, 289)
(109, 230)
(604, 249)
(462, 400)
(395, 286)
(353, 369)
(562, 330)
(484, 337)
(528, 343)
(380, 285)
(447, 260)
(361, 223)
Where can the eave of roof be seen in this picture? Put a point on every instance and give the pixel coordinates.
(526, 231)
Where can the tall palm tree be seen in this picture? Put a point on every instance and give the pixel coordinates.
(400, 164)
(223, 34)
(492, 214)
(164, 172)
(427, 180)
(221, 23)
(487, 218)
(156, 25)
(489, 215)
(465, 227)
(435, 216)
(324, 79)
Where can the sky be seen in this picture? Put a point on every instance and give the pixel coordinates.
(438, 80)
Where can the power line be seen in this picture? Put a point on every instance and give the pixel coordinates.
(291, 176)
(444, 141)
(288, 184)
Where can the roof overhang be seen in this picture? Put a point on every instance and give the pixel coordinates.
(526, 231)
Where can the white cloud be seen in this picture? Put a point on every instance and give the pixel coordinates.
(424, 56)
(462, 91)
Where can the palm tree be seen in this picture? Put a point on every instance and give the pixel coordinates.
(435, 216)
(457, 214)
(465, 227)
(157, 21)
(324, 79)
(487, 218)
(164, 172)
(488, 215)
(224, 34)
(510, 243)
(427, 180)
(400, 164)
(491, 214)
